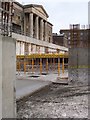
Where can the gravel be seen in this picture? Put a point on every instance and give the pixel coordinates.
(79, 76)
(57, 101)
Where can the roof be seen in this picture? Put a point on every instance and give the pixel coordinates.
(35, 5)
(58, 35)
(18, 4)
(50, 23)
(31, 5)
(64, 30)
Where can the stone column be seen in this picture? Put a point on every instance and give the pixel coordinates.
(41, 29)
(45, 31)
(24, 24)
(36, 28)
(31, 24)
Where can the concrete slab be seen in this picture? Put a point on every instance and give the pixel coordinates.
(26, 87)
(27, 84)
(61, 81)
(51, 76)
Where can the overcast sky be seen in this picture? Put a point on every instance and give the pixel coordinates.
(63, 12)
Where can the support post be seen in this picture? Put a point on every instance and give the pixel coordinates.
(24, 66)
(37, 27)
(32, 65)
(19, 66)
(51, 62)
(41, 29)
(58, 66)
(63, 66)
(31, 24)
(54, 63)
(47, 65)
(40, 66)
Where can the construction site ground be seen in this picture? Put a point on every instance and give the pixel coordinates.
(28, 83)
(54, 101)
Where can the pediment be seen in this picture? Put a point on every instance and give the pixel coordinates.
(41, 10)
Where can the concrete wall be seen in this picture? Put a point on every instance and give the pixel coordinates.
(7, 77)
(78, 57)
(78, 66)
(0, 77)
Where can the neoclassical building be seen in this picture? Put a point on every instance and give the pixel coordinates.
(32, 30)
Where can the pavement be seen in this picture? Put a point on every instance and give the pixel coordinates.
(27, 84)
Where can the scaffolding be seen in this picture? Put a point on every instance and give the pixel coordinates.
(78, 37)
(74, 35)
(42, 62)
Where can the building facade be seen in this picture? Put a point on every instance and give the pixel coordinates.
(32, 30)
(82, 35)
(31, 20)
(60, 39)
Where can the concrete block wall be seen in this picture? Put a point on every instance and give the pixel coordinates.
(7, 77)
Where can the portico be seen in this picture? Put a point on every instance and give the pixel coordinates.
(35, 22)
(35, 26)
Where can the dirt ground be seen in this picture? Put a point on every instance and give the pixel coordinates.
(56, 101)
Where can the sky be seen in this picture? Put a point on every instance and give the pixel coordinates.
(62, 13)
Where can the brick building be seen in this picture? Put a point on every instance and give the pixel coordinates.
(81, 33)
(60, 39)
